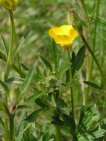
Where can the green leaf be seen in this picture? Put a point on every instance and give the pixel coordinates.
(22, 41)
(91, 136)
(47, 64)
(28, 136)
(40, 103)
(4, 86)
(61, 103)
(80, 57)
(33, 116)
(91, 84)
(63, 68)
(4, 44)
(73, 61)
(28, 80)
(45, 137)
(26, 68)
(89, 119)
(23, 107)
(3, 57)
(55, 55)
(34, 96)
(14, 80)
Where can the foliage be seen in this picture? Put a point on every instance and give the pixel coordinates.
(47, 93)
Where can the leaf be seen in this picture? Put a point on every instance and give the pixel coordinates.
(33, 116)
(45, 137)
(22, 41)
(4, 44)
(47, 64)
(40, 103)
(2, 56)
(63, 68)
(14, 80)
(73, 61)
(89, 119)
(67, 76)
(92, 135)
(28, 136)
(23, 107)
(80, 57)
(61, 103)
(91, 84)
(57, 121)
(28, 80)
(4, 86)
(26, 68)
(34, 96)
(55, 55)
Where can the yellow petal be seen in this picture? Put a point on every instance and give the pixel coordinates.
(9, 4)
(63, 35)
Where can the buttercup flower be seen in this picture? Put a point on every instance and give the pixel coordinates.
(9, 4)
(64, 35)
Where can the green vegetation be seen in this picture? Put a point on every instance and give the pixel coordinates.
(48, 93)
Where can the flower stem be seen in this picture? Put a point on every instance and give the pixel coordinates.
(92, 54)
(9, 58)
(97, 63)
(94, 36)
(11, 128)
(71, 89)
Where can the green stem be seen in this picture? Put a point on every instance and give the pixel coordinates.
(72, 99)
(9, 58)
(94, 36)
(71, 89)
(85, 9)
(92, 54)
(6, 135)
(58, 134)
(97, 63)
(11, 128)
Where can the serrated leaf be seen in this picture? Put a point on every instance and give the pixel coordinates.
(28, 80)
(92, 135)
(91, 84)
(47, 64)
(89, 119)
(32, 117)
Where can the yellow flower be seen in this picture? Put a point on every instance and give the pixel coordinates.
(64, 35)
(9, 4)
